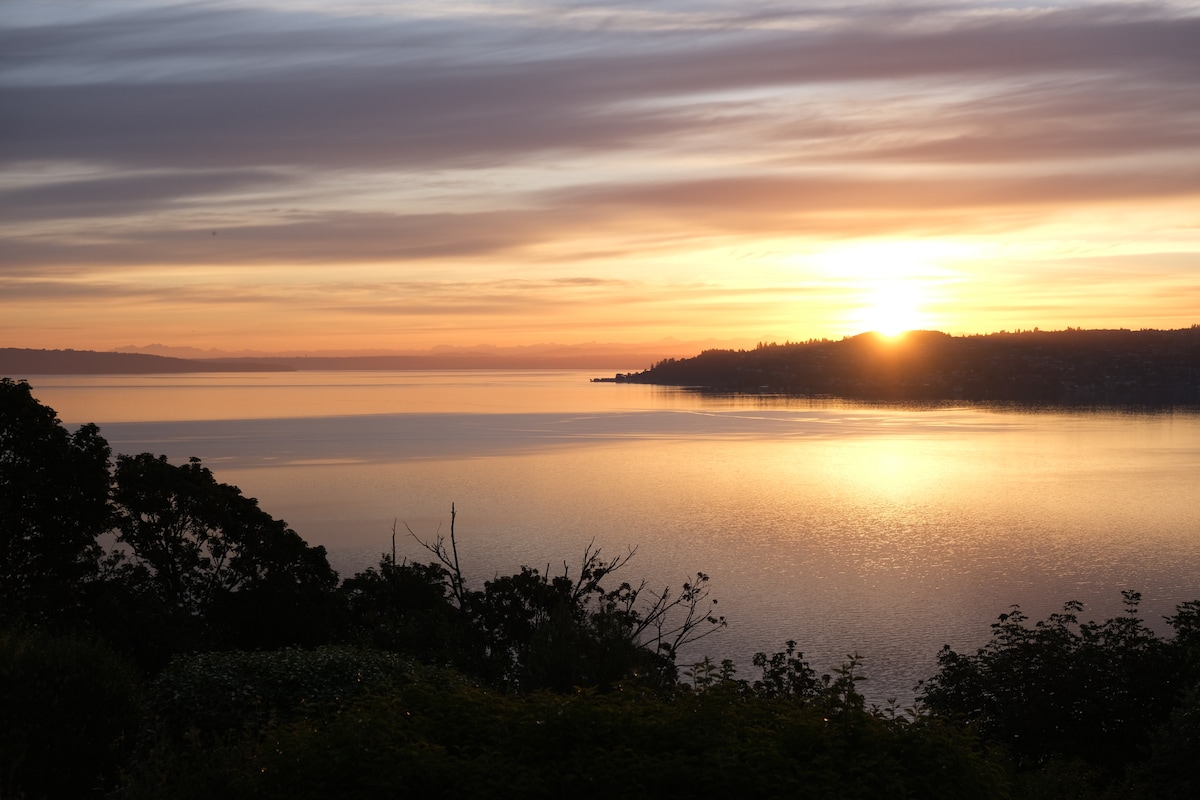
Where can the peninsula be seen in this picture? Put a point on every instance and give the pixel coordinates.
(1070, 367)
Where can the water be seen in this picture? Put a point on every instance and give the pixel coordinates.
(849, 528)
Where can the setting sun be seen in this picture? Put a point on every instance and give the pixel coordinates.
(891, 308)
(890, 286)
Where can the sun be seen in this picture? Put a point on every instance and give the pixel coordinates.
(891, 307)
(886, 286)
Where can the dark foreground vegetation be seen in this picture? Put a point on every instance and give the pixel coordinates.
(162, 636)
(1071, 367)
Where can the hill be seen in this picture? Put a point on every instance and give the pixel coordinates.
(1072, 367)
(19, 362)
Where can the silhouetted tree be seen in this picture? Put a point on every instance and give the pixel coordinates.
(54, 488)
(406, 608)
(208, 554)
(538, 630)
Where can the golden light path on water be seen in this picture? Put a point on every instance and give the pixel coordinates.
(884, 530)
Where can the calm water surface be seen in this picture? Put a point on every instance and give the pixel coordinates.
(882, 530)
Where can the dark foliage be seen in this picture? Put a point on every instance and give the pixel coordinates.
(529, 630)
(213, 694)
(211, 711)
(208, 555)
(53, 506)
(444, 689)
(432, 740)
(544, 632)
(533, 630)
(71, 709)
(1072, 367)
(1169, 772)
(786, 674)
(1099, 695)
(406, 608)
(194, 564)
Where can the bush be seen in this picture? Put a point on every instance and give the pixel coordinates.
(405, 608)
(1062, 696)
(224, 694)
(533, 630)
(434, 741)
(71, 710)
(212, 710)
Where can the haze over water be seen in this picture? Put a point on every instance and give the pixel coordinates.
(885, 530)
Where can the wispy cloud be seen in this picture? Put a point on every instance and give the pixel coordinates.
(364, 95)
(116, 195)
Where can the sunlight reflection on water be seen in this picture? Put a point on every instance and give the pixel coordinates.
(885, 530)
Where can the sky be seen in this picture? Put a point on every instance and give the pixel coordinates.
(338, 176)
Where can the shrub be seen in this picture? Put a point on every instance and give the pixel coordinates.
(1064, 692)
(226, 694)
(71, 711)
(432, 740)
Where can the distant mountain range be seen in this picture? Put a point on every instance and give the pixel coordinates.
(20, 362)
(1071, 367)
(621, 353)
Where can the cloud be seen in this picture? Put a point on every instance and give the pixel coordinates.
(103, 290)
(1074, 119)
(119, 195)
(633, 218)
(357, 94)
(384, 296)
(296, 238)
(772, 199)
(407, 160)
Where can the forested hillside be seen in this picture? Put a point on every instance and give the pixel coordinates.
(1116, 367)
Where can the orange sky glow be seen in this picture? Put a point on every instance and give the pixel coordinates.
(280, 176)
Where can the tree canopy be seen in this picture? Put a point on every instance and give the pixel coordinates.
(54, 504)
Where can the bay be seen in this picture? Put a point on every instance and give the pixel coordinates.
(883, 530)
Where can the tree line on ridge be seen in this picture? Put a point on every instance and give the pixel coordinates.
(1071, 367)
